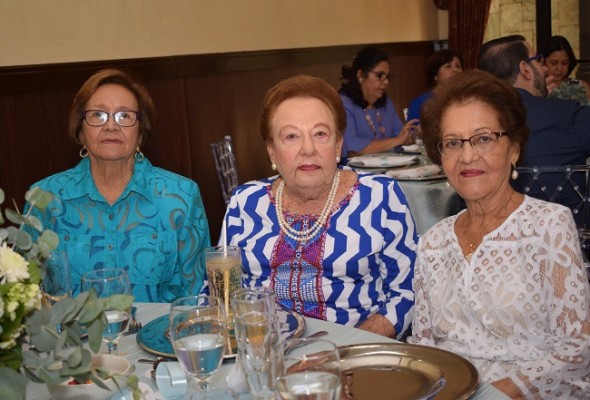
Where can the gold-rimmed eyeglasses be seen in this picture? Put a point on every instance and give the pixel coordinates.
(125, 118)
(382, 75)
(483, 142)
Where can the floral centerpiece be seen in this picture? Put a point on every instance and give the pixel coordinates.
(31, 345)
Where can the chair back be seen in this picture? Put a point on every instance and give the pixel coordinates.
(225, 163)
(564, 184)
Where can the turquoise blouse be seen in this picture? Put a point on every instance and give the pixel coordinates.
(156, 230)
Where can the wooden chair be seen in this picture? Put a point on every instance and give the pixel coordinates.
(225, 163)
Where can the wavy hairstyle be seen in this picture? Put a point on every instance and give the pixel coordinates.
(365, 60)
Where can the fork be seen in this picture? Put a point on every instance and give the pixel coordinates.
(134, 325)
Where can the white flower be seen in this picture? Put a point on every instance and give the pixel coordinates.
(13, 267)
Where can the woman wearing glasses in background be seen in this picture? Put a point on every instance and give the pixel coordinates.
(501, 283)
(114, 209)
(372, 123)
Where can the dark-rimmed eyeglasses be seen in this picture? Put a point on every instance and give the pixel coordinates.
(382, 75)
(483, 142)
(124, 118)
(536, 57)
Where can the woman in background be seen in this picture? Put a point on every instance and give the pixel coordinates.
(441, 65)
(372, 123)
(114, 209)
(333, 244)
(501, 283)
(560, 61)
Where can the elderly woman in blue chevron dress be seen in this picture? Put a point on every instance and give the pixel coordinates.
(332, 243)
(115, 209)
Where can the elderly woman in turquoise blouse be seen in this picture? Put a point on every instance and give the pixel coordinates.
(115, 209)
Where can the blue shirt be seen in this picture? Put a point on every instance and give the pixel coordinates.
(359, 134)
(416, 105)
(156, 230)
(560, 135)
(360, 263)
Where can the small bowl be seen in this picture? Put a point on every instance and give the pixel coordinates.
(90, 391)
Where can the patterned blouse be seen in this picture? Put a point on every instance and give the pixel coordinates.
(360, 263)
(519, 309)
(156, 230)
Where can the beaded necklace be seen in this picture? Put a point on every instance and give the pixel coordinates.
(306, 234)
(372, 124)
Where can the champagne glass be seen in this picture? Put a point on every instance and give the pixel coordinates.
(107, 282)
(198, 332)
(57, 282)
(308, 369)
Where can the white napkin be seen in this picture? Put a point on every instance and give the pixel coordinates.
(236, 378)
(414, 173)
(377, 160)
(412, 148)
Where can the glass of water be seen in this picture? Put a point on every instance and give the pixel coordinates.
(308, 370)
(198, 332)
(108, 282)
(57, 282)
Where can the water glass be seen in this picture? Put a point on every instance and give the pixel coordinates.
(224, 277)
(108, 282)
(308, 369)
(198, 333)
(57, 282)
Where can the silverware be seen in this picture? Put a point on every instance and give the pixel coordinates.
(134, 325)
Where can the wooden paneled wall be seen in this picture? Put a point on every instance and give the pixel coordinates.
(199, 99)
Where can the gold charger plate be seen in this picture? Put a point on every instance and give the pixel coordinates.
(392, 371)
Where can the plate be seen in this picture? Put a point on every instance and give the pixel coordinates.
(405, 371)
(381, 160)
(153, 336)
(413, 149)
(402, 175)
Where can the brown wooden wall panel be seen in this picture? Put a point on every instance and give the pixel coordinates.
(199, 99)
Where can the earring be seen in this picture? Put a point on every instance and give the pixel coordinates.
(139, 155)
(273, 166)
(514, 174)
(83, 152)
(337, 159)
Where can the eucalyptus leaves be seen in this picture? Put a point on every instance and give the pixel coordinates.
(47, 355)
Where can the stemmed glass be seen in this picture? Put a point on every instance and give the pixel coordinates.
(308, 369)
(198, 332)
(57, 282)
(107, 282)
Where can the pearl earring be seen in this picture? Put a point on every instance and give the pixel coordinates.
(514, 174)
(337, 159)
(273, 166)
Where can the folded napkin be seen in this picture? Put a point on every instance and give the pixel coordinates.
(382, 160)
(415, 173)
(412, 148)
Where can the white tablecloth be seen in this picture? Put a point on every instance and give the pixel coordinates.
(339, 334)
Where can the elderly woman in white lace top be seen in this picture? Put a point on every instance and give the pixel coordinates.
(501, 283)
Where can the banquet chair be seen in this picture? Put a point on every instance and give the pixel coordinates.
(225, 164)
(552, 181)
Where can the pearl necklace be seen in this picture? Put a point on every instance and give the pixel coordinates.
(304, 235)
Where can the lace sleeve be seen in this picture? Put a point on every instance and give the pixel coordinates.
(564, 372)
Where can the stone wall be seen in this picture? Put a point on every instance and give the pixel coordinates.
(509, 17)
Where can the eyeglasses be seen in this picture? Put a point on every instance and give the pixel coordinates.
(125, 118)
(382, 75)
(484, 142)
(537, 57)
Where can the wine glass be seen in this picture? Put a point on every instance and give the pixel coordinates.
(57, 282)
(198, 332)
(107, 282)
(308, 369)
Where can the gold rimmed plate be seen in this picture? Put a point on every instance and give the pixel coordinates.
(405, 371)
(154, 336)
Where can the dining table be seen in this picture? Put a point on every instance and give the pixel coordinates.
(430, 196)
(129, 348)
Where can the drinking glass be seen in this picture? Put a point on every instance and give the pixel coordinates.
(57, 282)
(257, 333)
(224, 276)
(308, 369)
(198, 333)
(107, 282)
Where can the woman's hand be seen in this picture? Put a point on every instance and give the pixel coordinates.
(407, 132)
(509, 388)
(377, 323)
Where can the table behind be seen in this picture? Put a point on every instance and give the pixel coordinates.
(339, 334)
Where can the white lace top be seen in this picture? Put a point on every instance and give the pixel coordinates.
(518, 309)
